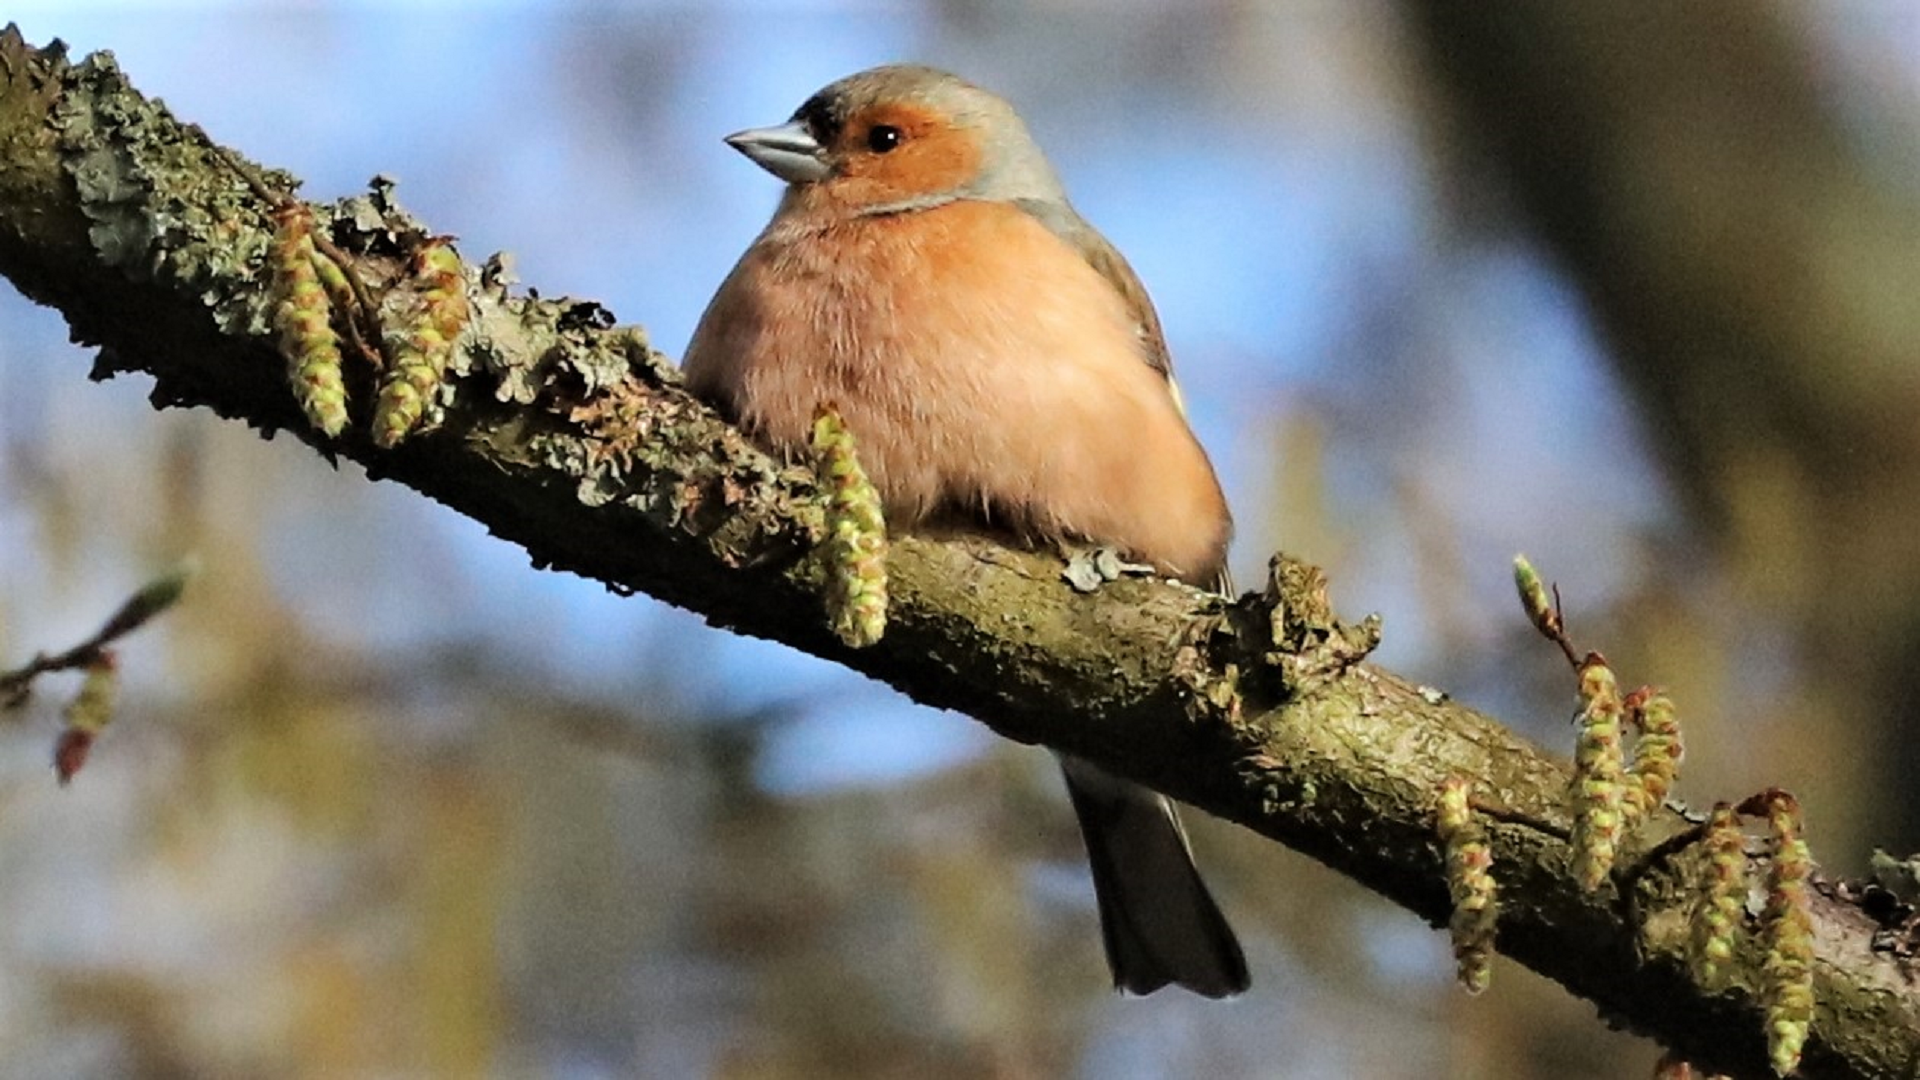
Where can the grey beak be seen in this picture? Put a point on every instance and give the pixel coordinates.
(789, 151)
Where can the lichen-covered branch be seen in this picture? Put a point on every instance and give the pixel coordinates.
(573, 439)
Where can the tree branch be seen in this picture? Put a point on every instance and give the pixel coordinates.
(575, 441)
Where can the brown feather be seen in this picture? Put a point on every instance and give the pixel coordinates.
(986, 367)
(1066, 223)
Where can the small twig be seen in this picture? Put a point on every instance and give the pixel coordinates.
(1501, 812)
(153, 598)
(1660, 853)
(371, 346)
(1560, 638)
(366, 311)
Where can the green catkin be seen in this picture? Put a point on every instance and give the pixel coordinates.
(302, 315)
(1716, 920)
(1787, 930)
(1599, 816)
(856, 536)
(1656, 753)
(87, 715)
(1470, 883)
(423, 348)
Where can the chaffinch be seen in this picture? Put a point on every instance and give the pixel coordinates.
(1001, 366)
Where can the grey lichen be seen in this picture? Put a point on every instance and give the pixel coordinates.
(166, 206)
(1089, 568)
(160, 208)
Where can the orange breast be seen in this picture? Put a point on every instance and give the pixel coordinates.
(982, 365)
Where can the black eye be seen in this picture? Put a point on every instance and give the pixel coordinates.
(883, 137)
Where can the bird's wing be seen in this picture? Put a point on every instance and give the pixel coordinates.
(1061, 220)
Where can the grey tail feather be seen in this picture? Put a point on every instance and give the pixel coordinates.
(1160, 924)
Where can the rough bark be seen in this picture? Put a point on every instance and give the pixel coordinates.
(574, 440)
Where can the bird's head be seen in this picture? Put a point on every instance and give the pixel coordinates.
(902, 137)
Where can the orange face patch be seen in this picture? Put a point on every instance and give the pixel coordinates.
(891, 152)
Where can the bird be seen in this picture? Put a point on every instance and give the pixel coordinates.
(1001, 368)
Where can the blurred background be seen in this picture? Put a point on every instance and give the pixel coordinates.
(1634, 288)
